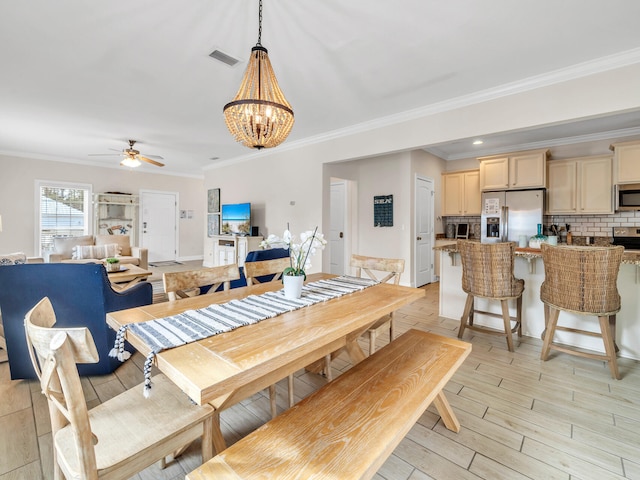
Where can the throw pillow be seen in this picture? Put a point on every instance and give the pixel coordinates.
(64, 245)
(122, 240)
(81, 252)
(17, 258)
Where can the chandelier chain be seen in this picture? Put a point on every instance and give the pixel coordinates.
(259, 23)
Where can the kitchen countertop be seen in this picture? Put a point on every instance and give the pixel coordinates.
(631, 257)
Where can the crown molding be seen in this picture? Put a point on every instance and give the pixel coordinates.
(603, 64)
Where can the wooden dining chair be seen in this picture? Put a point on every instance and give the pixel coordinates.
(274, 268)
(189, 283)
(382, 270)
(122, 435)
(264, 268)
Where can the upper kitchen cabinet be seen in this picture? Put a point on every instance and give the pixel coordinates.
(520, 170)
(626, 161)
(461, 193)
(580, 186)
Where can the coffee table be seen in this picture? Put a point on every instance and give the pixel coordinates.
(128, 276)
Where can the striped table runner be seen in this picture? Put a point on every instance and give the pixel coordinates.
(193, 325)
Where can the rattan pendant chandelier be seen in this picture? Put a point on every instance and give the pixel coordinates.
(259, 116)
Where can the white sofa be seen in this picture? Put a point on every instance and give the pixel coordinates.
(90, 248)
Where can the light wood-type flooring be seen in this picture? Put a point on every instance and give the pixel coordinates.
(521, 418)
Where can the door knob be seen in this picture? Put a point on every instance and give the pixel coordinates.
(341, 235)
(419, 238)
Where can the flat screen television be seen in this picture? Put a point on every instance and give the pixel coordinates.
(236, 219)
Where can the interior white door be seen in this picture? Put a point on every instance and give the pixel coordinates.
(424, 228)
(158, 222)
(337, 227)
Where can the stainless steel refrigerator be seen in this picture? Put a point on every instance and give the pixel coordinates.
(509, 214)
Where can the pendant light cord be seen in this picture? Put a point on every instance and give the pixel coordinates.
(259, 23)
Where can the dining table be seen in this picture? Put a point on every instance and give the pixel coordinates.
(223, 369)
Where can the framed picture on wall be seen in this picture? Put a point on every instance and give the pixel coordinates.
(213, 224)
(213, 200)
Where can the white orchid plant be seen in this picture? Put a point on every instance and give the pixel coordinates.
(300, 251)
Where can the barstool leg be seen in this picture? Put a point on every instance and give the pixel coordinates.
(609, 347)
(546, 321)
(468, 306)
(519, 314)
(550, 332)
(507, 323)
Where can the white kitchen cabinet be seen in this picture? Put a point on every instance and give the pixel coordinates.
(229, 249)
(626, 161)
(521, 170)
(580, 186)
(461, 193)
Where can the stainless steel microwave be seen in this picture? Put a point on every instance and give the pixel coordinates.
(628, 197)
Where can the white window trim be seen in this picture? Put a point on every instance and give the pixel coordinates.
(58, 184)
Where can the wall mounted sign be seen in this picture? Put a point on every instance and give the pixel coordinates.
(383, 211)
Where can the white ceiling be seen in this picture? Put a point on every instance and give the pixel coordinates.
(80, 77)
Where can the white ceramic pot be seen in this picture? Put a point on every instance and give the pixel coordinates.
(112, 267)
(292, 285)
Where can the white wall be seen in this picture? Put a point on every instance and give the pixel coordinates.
(294, 171)
(17, 198)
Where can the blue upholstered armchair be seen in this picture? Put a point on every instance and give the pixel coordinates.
(81, 295)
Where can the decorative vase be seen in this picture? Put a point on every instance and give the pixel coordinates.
(292, 285)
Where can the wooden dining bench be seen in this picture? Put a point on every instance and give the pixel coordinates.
(349, 427)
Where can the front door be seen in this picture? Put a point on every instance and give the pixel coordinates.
(424, 228)
(158, 223)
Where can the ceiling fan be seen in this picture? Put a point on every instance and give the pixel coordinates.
(132, 158)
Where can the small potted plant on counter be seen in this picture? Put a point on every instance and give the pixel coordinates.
(113, 264)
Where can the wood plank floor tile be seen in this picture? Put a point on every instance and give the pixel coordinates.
(511, 458)
(18, 442)
(563, 419)
(487, 468)
(574, 466)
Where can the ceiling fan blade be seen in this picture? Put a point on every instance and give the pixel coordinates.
(148, 160)
(155, 157)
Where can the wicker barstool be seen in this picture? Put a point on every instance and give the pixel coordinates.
(487, 272)
(581, 280)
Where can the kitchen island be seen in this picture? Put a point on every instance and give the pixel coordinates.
(528, 266)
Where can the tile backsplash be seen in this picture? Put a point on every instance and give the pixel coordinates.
(595, 225)
(581, 225)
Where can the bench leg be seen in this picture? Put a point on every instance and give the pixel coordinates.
(446, 413)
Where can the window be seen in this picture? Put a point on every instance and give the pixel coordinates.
(63, 210)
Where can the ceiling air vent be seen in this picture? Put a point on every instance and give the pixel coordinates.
(224, 58)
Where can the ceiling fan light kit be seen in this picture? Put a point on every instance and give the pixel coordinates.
(259, 116)
(130, 162)
(133, 159)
